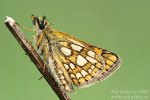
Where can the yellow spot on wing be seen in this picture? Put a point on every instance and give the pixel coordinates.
(72, 58)
(98, 65)
(87, 66)
(88, 77)
(107, 66)
(113, 58)
(109, 62)
(82, 80)
(95, 69)
(93, 73)
(97, 50)
(76, 70)
(75, 81)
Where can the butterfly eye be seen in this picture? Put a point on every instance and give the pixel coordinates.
(40, 21)
(41, 25)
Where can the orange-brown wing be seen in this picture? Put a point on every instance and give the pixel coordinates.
(84, 64)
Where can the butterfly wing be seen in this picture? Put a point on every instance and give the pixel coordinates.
(85, 64)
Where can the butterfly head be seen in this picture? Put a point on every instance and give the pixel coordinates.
(39, 22)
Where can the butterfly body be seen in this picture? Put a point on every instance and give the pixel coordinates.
(70, 60)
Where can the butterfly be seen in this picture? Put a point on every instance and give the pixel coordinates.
(69, 60)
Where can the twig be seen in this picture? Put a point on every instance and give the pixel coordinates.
(30, 51)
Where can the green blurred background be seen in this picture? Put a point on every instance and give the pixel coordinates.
(121, 26)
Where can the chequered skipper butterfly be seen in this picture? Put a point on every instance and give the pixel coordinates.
(70, 60)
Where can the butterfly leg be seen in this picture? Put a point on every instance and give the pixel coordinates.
(40, 39)
(45, 52)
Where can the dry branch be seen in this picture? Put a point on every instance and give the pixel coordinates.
(35, 58)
